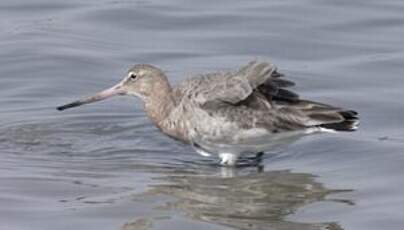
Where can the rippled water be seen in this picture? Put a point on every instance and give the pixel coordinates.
(105, 166)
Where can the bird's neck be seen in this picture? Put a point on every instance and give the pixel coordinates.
(160, 103)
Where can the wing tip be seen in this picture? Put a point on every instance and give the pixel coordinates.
(350, 123)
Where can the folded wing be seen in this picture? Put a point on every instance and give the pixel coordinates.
(258, 86)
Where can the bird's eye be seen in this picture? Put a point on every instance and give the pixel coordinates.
(133, 76)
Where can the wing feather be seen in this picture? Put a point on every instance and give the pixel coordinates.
(233, 87)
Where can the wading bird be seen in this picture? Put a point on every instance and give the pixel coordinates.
(229, 114)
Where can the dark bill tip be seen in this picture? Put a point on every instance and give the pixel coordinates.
(116, 90)
(70, 105)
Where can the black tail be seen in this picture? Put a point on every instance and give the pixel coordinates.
(350, 122)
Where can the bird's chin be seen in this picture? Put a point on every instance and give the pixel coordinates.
(138, 95)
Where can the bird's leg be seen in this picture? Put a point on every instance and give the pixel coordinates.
(228, 159)
(255, 160)
(259, 156)
(256, 157)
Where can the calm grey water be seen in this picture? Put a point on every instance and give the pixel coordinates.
(104, 166)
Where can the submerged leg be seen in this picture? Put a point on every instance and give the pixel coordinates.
(228, 159)
(254, 160)
(259, 156)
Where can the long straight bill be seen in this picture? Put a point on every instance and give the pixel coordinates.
(113, 91)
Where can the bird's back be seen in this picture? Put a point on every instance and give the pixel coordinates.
(252, 105)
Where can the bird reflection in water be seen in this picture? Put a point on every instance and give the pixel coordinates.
(242, 199)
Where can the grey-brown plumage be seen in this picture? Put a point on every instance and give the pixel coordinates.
(229, 113)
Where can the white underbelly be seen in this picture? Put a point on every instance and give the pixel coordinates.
(218, 135)
(253, 144)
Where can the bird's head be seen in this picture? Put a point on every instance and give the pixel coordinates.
(142, 81)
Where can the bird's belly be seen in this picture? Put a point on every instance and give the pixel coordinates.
(250, 145)
(217, 136)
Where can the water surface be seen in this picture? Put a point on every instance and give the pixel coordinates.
(105, 166)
